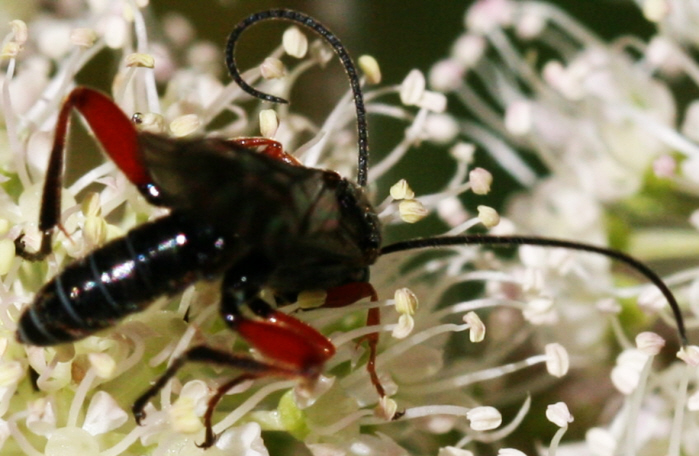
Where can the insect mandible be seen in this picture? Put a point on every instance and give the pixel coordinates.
(309, 229)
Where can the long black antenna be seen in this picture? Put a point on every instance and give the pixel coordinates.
(490, 240)
(345, 59)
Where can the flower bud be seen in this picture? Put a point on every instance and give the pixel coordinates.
(295, 42)
(559, 414)
(412, 211)
(185, 125)
(370, 67)
(141, 60)
(557, 362)
(412, 88)
(401, 190)
(484, 418)
(488, 216)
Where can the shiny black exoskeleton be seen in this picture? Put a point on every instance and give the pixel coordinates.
(290, 228)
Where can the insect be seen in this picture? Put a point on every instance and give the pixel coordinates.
(253, 219)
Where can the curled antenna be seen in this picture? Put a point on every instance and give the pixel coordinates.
(489, 240)
(345, 59)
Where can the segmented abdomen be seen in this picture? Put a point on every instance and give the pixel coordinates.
(158, 258)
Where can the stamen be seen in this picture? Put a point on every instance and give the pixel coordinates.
(295, 42)
(484, 418)
(272, 68)
(371, 69)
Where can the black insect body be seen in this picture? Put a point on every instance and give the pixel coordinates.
(256, 219)
(306, 229)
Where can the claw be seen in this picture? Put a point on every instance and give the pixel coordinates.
(138, 410)
(209, 440)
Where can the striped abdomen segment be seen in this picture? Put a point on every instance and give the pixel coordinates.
(122, 277)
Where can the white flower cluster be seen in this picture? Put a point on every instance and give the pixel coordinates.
(598, 116)
(610, 123)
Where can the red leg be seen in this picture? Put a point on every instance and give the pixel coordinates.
(114, 132)
(294, 349)
(210, 438)
(113, 129)
(347, 294)
(289, 342)
(272, 148)
(284, 340)
(373, 318)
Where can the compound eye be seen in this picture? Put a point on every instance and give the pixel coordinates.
(137, 118)
(149, 122)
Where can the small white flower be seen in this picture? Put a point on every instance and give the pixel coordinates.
(487, 15)
(70, 441)
(83, 37)
(10, 372)
(557, 362)
(10, 50)
(518, 118)
(488, 216)
(115, 31)
(484, 418)
(609, 306)
(20, 32)
(371, 69)
(468, 49)
(531, 24)
(480, 180)
(104, 364)
(386, 408)
(103, 414)
(412, 210)
(651, 300)
(664, 166)
(446, 75)
(463, 152)
(601, 442)
(272, 68)
(412, 88)
(269, 123)
(559, 414)
(7, 255)
(510, 452)
(437, 102)
(406, 324)
(295, 42)
(41, 419)
(245, 440)
(655, 10)
(649, 343)
(439, 128)
(406, 301)
(626, 375)
(401, 190)
(541, 311)
(477, 328)
(453, 451)
(690, 355)
(185, 125)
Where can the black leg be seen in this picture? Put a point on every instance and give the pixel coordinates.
(204, 354)
(210, 437)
